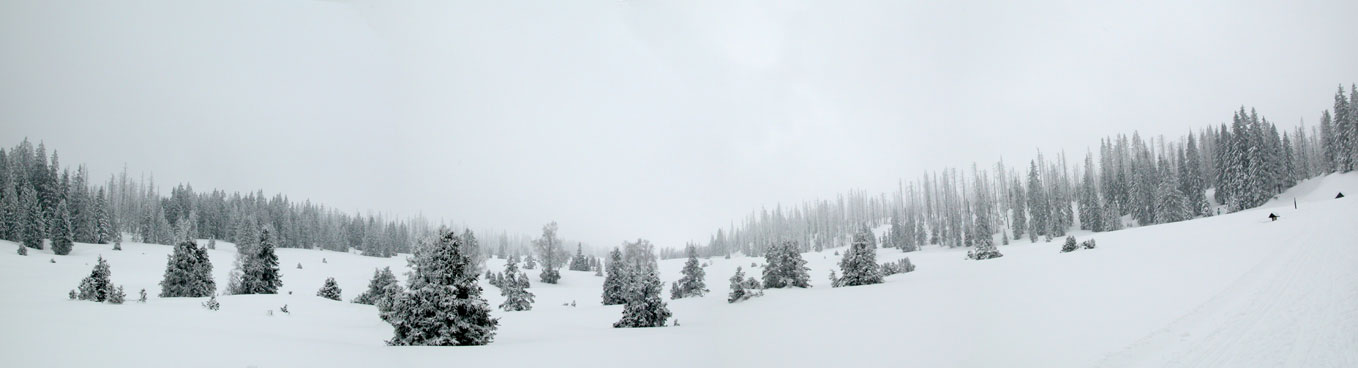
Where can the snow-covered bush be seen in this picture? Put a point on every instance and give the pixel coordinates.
(212, 304)
(330, 290)
(981, 254)
(117, 296)
(96, 287)
(549, 275)
(142, 296)
(743, 288)
(1070, 245)
(1087, 244)
(901, 266)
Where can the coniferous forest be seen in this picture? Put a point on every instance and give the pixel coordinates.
(42, 199)
(1127, 181)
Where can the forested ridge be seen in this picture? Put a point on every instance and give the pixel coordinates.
(1129, 180)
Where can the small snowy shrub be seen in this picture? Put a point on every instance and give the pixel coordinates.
(97, 286)
(549, 275)
(984, 254)
(901, 266)
(329, 290)
(743, 288)
(142, 298)
(1070, 245)
(1087, 244)
(212, 304)
(117, 296)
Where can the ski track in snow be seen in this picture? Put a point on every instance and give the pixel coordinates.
(1294, 309)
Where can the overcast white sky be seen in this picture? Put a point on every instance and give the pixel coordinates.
(627, 119)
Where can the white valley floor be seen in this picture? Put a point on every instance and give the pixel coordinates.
(1233, 291)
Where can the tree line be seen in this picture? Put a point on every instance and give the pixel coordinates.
(1128, 181)
(41, 200)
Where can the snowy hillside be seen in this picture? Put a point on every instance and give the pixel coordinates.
(1279, 293)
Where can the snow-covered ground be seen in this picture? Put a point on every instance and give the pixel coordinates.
(1233, 290)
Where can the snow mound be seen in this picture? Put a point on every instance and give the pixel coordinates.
(1318, 189)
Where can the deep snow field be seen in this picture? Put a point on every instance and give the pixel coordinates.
(1233, 290)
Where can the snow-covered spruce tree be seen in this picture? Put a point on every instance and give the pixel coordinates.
(785, 268)
(260, 274)
(104, 231)
(1170, 204)
(32, 223)
(616, 282)
(580, 262)
(549, 247)
(23, 251)
(471, 247)
(859, 264)
(330, 290)
(377, 287)
(188, 273)
(692, 283)
(9, 206)
(514, 287)
(63, 233)
(444, 306)
(644, 308)
(742, 288)
(97, 286)
(1038, 207)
